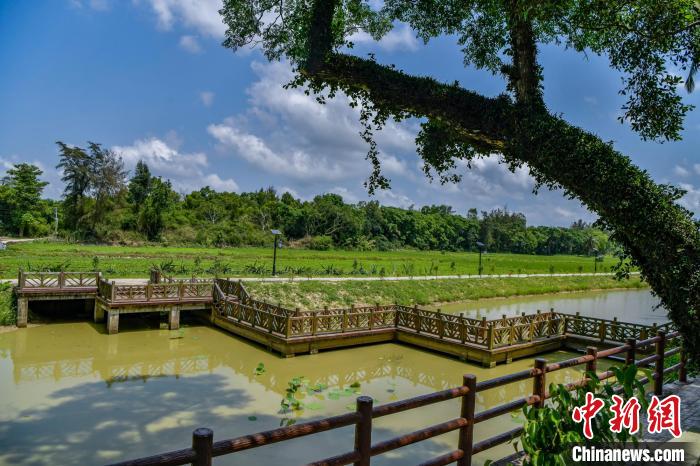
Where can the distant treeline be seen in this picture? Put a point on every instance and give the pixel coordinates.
(102, 203)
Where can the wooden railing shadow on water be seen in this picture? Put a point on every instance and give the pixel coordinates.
(204, 448)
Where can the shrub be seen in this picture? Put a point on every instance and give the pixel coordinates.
(321, 243)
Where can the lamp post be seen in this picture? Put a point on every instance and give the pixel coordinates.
(482, 248)
(276, 234)
(595, 260)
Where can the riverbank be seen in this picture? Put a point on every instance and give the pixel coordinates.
(313, 295)
(8, 310)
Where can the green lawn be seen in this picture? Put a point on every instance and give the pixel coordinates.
(135, 261)
(314, 295)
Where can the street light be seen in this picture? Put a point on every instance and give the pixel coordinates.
(277, 233)
(595, 260)
(482, 249)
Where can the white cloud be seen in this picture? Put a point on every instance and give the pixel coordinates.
(401, 37)
(207, 98)
(681, 171)
(98, 5)
(201, 15)
(691, 199)
(190, 44)
(590, 100)
(296, 137)
(185, 170)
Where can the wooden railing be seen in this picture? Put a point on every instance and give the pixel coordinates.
(611, 330)
(236, 303)
(162, 292)
(57, 280)
(204, 448)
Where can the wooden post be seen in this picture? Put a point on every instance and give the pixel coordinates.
(363, 430)
(601, 331)
(344, 324)
(61, 279)
(532, 331)
(466, 433)
(659, 364)
(539, 383)
(631, 356)
(484, 325)
(20, 279)
(613, 329)
(511, 336)
(418, 318)
(289, 326)
(682, 371)
(490, 336)
(592, 365)
(202, 444)
(314, 323)
(440, 325)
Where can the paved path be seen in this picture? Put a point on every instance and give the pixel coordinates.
(138, 281)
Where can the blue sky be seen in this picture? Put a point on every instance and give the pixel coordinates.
(150, 79)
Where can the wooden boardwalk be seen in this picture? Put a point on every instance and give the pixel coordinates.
(295, 331)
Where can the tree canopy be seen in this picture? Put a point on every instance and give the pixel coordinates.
(648, 41)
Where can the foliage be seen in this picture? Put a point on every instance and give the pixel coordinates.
(136, 261)
(22, 211)
(321, 243)
(8, 305)
(646, 40)
(550, 432)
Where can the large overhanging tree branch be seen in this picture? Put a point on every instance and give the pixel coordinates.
(640, 38)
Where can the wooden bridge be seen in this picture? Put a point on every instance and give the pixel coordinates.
(111, 299)
(295, 331)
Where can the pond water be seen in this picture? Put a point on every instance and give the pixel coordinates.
(73, 395)
(637, 306)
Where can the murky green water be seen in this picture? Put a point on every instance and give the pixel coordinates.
(73, 395)
(637, 306)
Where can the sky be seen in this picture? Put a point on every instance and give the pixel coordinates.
(150, 80)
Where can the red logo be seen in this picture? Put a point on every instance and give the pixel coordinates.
(661, 415)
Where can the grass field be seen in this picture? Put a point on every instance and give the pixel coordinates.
(314, 295)
(132, 262)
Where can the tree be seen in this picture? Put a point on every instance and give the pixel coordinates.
(20, 201)
(140, 184)
(641, 39)
(155, 207)
(107, 180)
(76, 165)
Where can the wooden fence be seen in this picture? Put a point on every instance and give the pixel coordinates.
(152, 292)
(57, 280)
(204, 448)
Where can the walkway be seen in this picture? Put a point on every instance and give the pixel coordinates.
(690, 419)
(139, 281)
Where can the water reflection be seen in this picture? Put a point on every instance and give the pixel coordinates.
(72, 395)
(637, 306)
